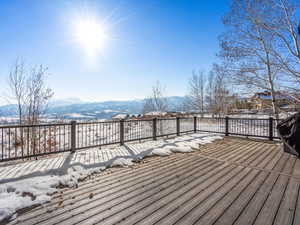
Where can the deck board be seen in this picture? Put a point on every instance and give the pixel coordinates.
(120, 186)
(232, 181)
(268, 212)
(230, 214)
(286, 211)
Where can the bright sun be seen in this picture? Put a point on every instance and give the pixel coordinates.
(91, 35)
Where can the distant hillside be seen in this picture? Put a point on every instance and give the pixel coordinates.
(76, 109)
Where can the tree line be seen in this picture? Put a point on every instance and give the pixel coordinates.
(206, 93)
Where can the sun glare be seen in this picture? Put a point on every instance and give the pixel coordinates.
(91, 35)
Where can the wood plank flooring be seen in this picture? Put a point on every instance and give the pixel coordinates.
(231, 181)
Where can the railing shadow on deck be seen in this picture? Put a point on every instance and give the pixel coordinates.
(68, 161)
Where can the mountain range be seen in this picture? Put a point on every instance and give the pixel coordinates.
(76, 109)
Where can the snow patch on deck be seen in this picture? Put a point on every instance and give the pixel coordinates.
(37, 189)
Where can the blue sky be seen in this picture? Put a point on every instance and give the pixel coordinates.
(146, 41)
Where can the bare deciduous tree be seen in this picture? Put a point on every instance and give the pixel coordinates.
(17, 84)
(209, 92)
(282, 24)
(30, 92)
(196, 96)
(247, 47)
(219, 96)
(156, 102)
(38, 94)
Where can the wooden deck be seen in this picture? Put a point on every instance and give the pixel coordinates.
(232, 181)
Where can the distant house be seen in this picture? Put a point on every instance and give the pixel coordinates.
(242, 105)
(263, 100)
(155, 114)
(159, 114)
(120, 117)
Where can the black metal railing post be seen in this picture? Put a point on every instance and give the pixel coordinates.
(226, 126)
(178, 126)
(271, 128)
(154, 129)
(73, 136)
(195, 124)
(121, 132)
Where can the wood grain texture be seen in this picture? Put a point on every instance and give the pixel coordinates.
(232, 181)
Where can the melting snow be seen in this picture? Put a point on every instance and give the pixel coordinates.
(183, 149)
(123, 162)
(161, 152)
(38, 190)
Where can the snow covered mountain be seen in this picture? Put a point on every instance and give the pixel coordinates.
(77, 109)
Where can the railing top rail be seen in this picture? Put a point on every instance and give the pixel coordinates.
(113, 121)
(98, 122)
(134, 120)
(170, 118)
(130, 120)
(205, 117)
(236, 118)
(34, 125)
(241, 118)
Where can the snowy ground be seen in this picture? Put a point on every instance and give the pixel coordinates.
(33, 182)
